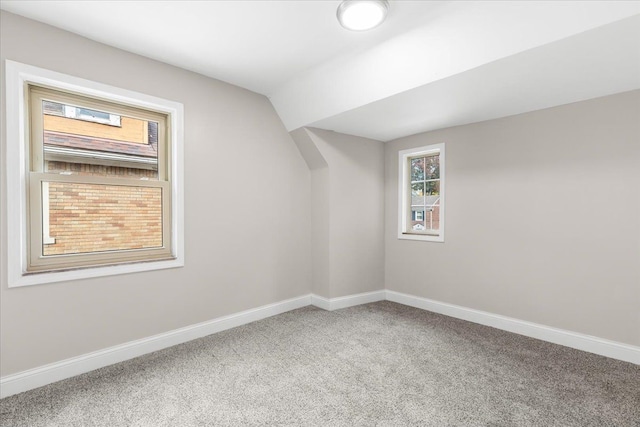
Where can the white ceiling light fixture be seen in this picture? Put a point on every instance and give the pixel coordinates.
(362, 15)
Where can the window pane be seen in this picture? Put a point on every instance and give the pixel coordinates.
(432, 218)
(417, 193)
(84, 141)
(85, 218)
(417, 189)
(432, 167)
(432, 188)
(417, 169)
(418, 226)
(425, 219)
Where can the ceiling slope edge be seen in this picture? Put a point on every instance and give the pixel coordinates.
(600, 62)
(461, 40)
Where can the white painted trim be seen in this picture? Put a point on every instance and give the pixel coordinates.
(43, 375)
(38, 377)
(321, 302)
(331, 304)
(18, 75)
(591, 344)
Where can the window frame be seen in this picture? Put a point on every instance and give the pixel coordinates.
(404, 192)
(20, 175)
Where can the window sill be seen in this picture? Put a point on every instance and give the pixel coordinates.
(27, 279)
(421, 237)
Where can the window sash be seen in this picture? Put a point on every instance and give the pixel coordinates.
(37, 94)
(409, 196)
(39, 262)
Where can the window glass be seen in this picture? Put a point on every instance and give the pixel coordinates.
(425, 193)
(86, 218)
(98, 192)
(73, 146)
(420, 185)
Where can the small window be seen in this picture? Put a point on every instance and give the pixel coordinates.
(99, 192)
(421, 187)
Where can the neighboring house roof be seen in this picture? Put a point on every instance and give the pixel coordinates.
(102, 145)
(428, 201)
(73, 148)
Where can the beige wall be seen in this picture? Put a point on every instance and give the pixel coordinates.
(350, 191)
(543, 219)
(247, 212)
(320, 212)
(356, 211)
(321, 231)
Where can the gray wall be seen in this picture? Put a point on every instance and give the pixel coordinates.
(247, 212)
(348, 211)
(543, 219)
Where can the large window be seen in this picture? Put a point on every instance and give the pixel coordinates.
(98, 177)
(421, 188)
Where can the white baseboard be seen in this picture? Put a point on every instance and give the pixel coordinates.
(37, 377)
(331, 304)
(591, 344)
(43, 375)
(321, 302)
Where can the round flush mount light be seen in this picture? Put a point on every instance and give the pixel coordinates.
(361, 15)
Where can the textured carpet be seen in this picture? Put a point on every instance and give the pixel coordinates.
(380, 364)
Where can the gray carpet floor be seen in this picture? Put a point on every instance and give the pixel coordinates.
(380, 364)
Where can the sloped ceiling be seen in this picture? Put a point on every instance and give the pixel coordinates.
(430, 65)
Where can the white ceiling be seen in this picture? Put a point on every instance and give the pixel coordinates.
(430, 65)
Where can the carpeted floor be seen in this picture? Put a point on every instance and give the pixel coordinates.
(380, 364)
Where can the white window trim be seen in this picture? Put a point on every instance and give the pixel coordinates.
(18, 76)
(403, 192)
